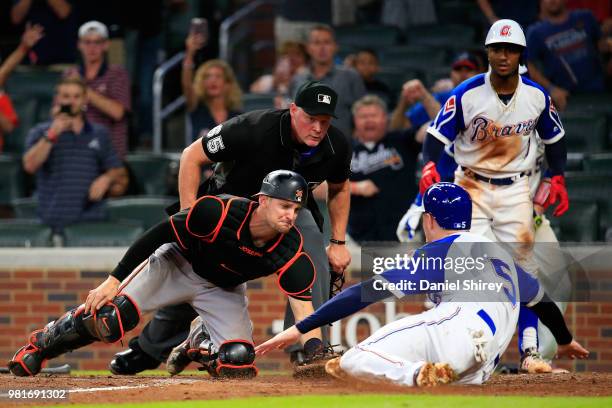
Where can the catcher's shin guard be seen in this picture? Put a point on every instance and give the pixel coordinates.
(72, 331)
(235, 359)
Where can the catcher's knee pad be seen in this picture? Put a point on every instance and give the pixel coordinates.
(236, 359)
(110, 323)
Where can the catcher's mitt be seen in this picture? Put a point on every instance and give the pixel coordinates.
(310, 363)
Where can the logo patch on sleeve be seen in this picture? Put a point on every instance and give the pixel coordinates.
(450, 105)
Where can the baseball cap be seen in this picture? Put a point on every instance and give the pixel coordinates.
(93, 27)
(317, 98)
(465, 59)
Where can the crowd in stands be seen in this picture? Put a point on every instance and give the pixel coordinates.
(79, 154)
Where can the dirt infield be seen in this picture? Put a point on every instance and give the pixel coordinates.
(200, 387)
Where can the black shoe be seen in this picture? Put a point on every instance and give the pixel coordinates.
(132, 361)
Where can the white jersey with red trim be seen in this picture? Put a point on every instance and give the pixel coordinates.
(491, 137)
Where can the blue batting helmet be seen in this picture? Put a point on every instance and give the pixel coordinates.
(450, 205)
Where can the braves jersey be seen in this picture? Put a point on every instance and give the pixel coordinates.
(493, 138)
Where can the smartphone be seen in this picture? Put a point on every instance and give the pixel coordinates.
(199, 26)
(67, 109)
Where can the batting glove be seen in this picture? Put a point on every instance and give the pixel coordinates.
(558, 192)
(429, 176)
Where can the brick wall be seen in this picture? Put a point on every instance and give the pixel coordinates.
(29, 298)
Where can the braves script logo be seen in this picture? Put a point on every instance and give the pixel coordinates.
(505, 31)
(322, 98)
(298, 195)
(484, 129)
(450, 104)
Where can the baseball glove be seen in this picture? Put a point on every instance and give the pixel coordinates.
(311, 362)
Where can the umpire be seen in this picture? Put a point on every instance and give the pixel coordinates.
(243, 150)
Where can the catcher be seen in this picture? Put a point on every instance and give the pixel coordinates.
(203, 255)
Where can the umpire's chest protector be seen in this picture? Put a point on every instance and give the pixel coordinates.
(214, 236)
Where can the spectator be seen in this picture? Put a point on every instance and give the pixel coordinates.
(367, 65)
(382, 173)
(58, 19)
(213, 95)
(8, 116)
(346, 82)
(291, 61)
(73, 160)
(424, 106)
(563, 51)
(524, 12)
(296, 18)
(108, 86)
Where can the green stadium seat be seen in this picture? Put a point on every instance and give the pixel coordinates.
(35, 82)
(26, 111)
(147, 211)
(579, 224)
(414, 57)
(394, 77)
(594, 188)
(24, 233)
(575, 161)
(600, 163)
(596, 103)
(25, 207)
(94, 234)
(585, 132)
(367, 36)
(252, 102)
(149, 172)
(43, 109)
(451, 36)
(11, 175)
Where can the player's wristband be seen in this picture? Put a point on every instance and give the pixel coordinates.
(337, 241)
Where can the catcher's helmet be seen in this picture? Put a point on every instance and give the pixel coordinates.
(286, 185)
(450, 205)
(506, 31)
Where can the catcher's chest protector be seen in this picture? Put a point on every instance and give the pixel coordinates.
(226, 256)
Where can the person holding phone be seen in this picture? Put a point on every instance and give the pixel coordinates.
(73, 160)
(212, 94)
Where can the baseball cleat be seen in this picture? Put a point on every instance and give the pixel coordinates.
(432, 374)
(178, 359)
(132, 361)
(332, 367)
(533, 363)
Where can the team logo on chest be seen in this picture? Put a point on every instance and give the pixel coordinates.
(484, 129)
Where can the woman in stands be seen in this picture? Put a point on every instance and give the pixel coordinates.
(212, 94)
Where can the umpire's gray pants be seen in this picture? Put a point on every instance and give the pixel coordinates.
(168, 279)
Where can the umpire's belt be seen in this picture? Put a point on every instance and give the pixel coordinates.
(495, 181)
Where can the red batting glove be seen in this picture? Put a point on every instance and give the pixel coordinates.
(429, 176)
(558, 192)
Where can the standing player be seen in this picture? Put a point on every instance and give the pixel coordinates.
(492, 119)
(243, 150)
(203, 255)
(462, 338)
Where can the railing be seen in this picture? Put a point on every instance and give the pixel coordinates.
(159, 113)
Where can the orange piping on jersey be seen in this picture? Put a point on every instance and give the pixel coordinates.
(297, 253)
(131, 276)
(245, 218)
(230, 269)
(176, 233)
(133, 303)
(224, 211)
(220, 224)
(314, 275)
(280, 238)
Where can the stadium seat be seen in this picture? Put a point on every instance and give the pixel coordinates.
(585, 132)
(451, 36)
(575, 161)
(147, 211)
(595, 103)
(11, 186)
(149, 172)
(579, 224)
(368, 36)
(600, 163)
(25, 207)
(35, 82)
(24, 233)
(26, 111)
(93, 234)
(394, 77)
(594, 188)
(257, 101)
(413, 57)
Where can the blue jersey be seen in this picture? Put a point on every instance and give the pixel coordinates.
(491, 137)
(568, 51)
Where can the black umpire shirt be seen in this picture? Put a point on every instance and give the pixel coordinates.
(253, 144)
